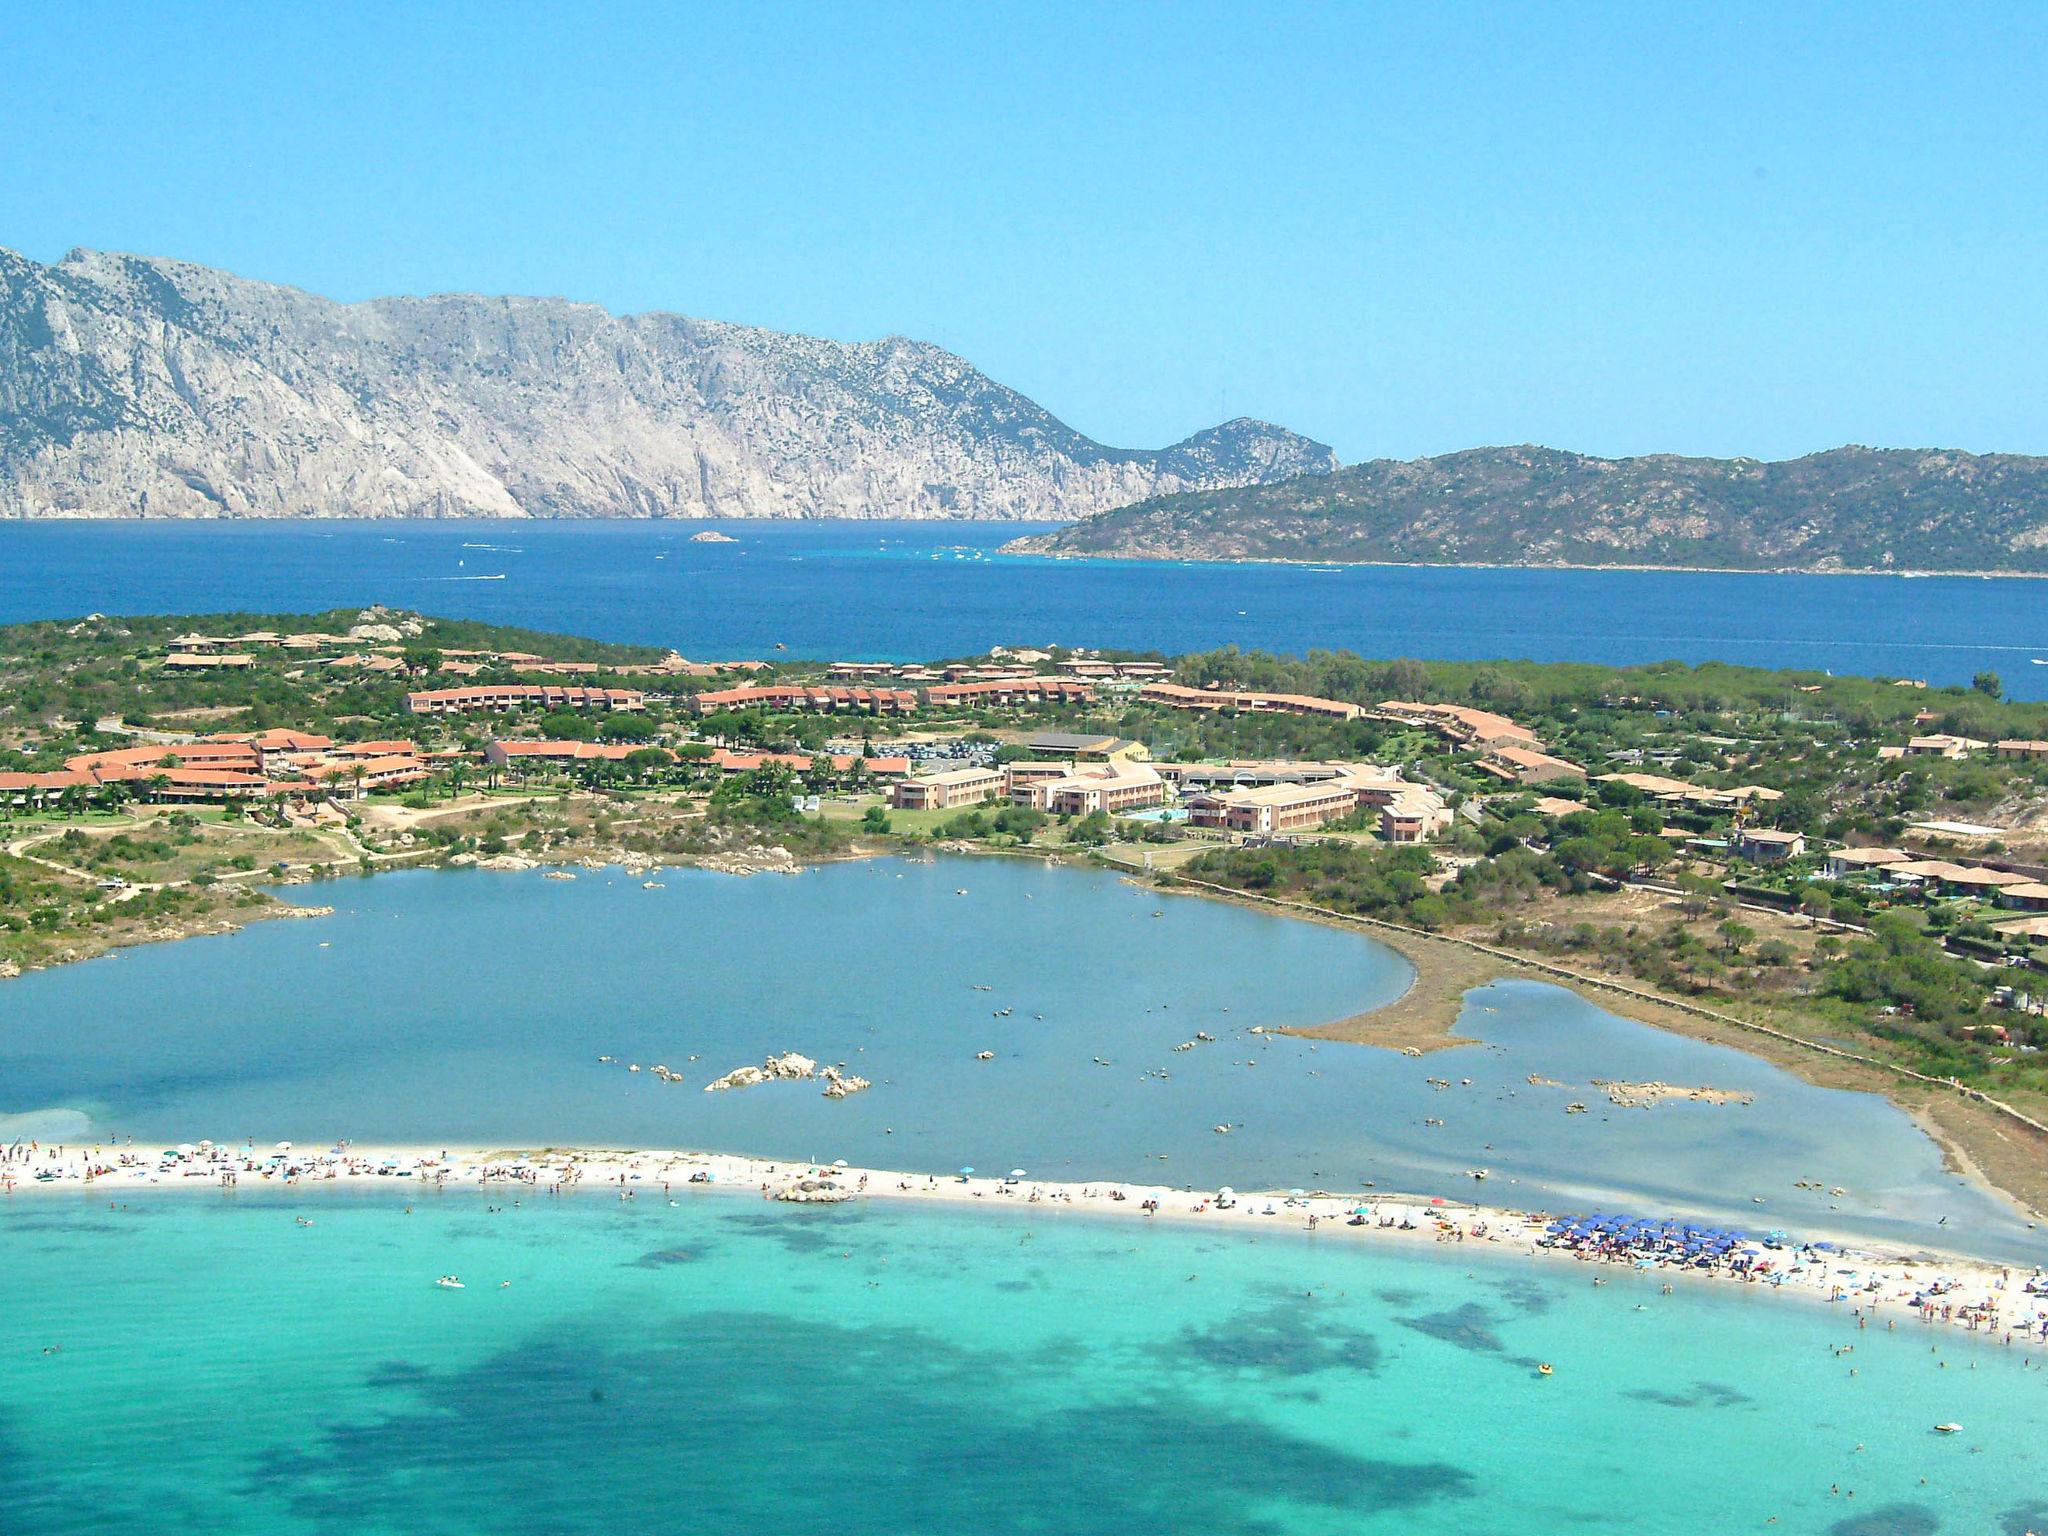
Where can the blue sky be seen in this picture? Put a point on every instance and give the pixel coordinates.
(1714, 229)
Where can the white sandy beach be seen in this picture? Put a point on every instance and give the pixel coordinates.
(1877, 1286)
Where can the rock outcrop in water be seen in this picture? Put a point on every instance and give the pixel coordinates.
(789, 1065)
(132, 386)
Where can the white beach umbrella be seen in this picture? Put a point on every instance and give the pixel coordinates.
(284, 1146)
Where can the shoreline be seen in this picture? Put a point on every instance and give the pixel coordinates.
(74, 519)
(1421, 1021)
(1975, 1296)
(1298, 562)
(1973, 1132)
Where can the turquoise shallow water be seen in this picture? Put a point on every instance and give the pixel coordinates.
(466, 1008)
(725, 1365)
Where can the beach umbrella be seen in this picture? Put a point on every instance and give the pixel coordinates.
(284, 1146)
(965, 1171)
(1017, 1173)
(1297, 1191)
(839, 1162)
(1225, 1189)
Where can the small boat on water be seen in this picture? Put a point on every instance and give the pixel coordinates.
(450, 1283)
(1948, 1429)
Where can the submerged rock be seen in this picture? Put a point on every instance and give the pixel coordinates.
(839, 1083)
(814, 1192)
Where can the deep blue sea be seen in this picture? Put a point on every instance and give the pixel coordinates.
(898, 591)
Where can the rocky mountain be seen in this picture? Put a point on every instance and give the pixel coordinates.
(1847, 509)
(131, 387)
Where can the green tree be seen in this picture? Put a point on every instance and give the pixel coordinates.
(1735, 935)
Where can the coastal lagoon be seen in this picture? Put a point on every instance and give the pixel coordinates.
(722, 1364)
(913, 591)
(465, 1008)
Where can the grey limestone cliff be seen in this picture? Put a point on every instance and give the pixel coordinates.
(133, 386)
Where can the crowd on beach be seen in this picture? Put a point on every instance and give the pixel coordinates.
(1972, 1294)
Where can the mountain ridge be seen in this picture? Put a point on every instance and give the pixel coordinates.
(148, 386)
(1849, 508)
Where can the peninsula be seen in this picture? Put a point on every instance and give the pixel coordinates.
(1849, 509)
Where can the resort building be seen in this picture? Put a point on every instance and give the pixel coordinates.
(1763, 845)
(1097, 671)
(280, 753)
(1844, 862)
(842, 762)
(1983, 884)
(948, 791)
(1271, 810)
(2021, 748)
(1004, 693)
(799, 698)
(508, 696)
(1021, 780)
(1525, 765)
(1677, 791)
(2030, 897)
(1176, 696)
(197, 661)
(198, 784)
(387, 748)
(1943, 746)
(510, 754)
(268, 762)
(1414, 815)
(1923, 872)
(1189, 777)
(1112, 788)
(142, 762)
(33, 791)
(1088, 747)
(363, 774)
(1459, 725)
